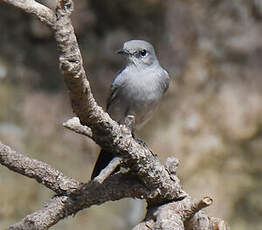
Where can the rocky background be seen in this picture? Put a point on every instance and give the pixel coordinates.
(211, 118)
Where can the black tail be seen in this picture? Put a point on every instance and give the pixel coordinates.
(102, 161)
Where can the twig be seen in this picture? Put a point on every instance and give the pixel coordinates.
(197, 206)
(74, 125)
(106, 172)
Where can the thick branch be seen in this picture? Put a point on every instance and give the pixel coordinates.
(38, 170)
(201, 221)
(80, 196)
(180, 215)
(44, 218)
(42, 12)
(113, 188)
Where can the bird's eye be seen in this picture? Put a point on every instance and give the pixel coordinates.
(143, 53)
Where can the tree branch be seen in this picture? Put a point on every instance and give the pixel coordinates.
(108, 170)
(43, 13)
(180, 215)
(38, 170)
(74, 124)
(80, 195)
(196, 206)
(114, 188)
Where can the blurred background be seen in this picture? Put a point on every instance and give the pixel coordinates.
(211, 118)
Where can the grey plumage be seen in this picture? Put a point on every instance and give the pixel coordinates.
(139, 87)
(136, 90)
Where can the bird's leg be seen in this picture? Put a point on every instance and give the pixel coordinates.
(129, 122)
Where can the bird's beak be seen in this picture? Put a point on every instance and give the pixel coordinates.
(123, 52)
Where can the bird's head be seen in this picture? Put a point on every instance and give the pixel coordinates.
(139, 53)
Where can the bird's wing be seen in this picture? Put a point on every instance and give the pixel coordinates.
(112, 97)
(166, 81)
(116, 85)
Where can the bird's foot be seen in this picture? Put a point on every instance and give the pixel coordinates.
(129, 122)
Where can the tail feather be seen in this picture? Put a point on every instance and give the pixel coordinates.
(102, 161)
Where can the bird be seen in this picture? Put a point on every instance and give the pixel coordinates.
(136, 90)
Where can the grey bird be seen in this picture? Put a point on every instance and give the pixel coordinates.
(136, 90)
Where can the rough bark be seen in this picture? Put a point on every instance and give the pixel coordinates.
(40, 171)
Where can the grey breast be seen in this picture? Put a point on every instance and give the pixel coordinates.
(137, 92)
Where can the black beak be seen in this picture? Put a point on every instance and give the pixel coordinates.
(123, 52)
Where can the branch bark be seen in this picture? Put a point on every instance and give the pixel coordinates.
(74, 124)
(43, 13)
(114, 188)
(180, 215)
(38, 170)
